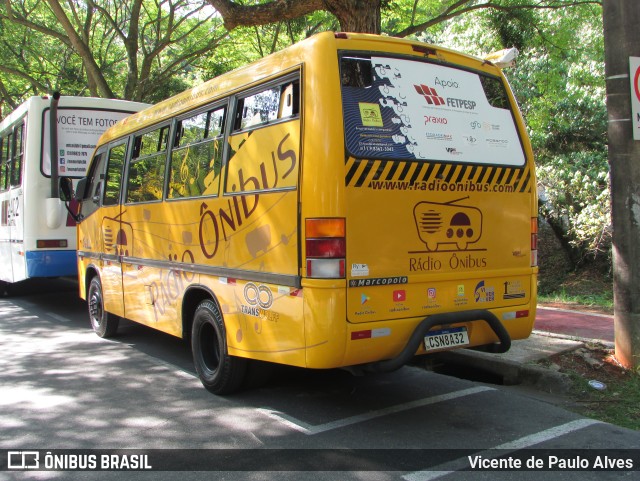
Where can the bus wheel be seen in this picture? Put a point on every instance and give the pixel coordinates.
(104, 323)
(219, 372)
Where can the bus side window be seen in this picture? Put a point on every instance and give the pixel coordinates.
(7, 158)
(137, 147)
(16, 160)
(495, 92)
(258, 109)
(145, 178)
(289, 100)
(93, 189)
(113, 180)
(163, 139)
(197, 160)
(3, 174)
(275, 111)
(178, 134)
(240, 113)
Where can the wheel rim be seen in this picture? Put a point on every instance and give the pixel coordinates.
(209, 349)
(95, 307)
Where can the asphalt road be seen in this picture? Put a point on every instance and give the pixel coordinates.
(63, 388)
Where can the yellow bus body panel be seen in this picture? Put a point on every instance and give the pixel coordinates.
(244, 244)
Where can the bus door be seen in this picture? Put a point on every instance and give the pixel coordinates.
(15, 208)
(5, 225)
(143, 234)
(113, 237)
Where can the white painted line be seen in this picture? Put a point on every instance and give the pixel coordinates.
(521, 443)
(548, 434)
(310, 429)
(581, 313)
(58, 317)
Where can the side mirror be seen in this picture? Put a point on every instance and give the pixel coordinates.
(65, 192)
(65, 189)
(81, 188)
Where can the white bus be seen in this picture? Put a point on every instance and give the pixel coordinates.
(37, 234)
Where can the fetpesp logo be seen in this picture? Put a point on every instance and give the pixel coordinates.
(432, 98)
(430, 94)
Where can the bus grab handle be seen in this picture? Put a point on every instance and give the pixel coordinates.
(439, 319)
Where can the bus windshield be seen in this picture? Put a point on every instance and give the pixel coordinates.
(409, 109)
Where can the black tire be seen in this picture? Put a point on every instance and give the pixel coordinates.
(104, 323)
(219, 372)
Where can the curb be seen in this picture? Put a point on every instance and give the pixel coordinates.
(586, 340)
(509, 371)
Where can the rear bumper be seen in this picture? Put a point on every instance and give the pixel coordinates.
(50, 263)
(447, 318)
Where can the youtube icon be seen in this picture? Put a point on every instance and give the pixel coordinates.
(400, 295)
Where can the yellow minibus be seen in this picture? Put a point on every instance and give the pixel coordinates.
(349, 202)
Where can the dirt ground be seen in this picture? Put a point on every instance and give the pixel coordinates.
(594, 361)
(601, 387)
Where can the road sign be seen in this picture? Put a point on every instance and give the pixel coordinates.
(634, 70)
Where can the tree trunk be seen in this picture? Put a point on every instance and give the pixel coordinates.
(362, 16)
(354, 15)
(132, 87)
(82, 49)
(622, 40)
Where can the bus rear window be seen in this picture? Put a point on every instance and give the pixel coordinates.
(408, 109)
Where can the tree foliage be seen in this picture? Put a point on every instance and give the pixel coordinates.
(559, 80)
(139, 50)
(366, 15)
(148, 50)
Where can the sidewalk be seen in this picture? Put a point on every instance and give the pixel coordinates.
(583, 325)
(555, 331)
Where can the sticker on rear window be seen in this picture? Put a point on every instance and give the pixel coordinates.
(370, 115)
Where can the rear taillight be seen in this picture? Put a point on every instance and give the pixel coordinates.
(52, 244)
(326, 246)
(534, 242)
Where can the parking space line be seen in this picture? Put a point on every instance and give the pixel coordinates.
(310, 429)
(521, 443)
(548, 434)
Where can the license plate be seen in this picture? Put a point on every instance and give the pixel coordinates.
(446, 338)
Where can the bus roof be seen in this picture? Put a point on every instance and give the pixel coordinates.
(278, 62)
